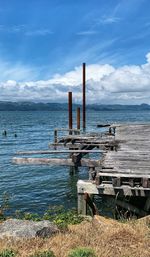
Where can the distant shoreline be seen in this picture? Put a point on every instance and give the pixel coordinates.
(31, 106)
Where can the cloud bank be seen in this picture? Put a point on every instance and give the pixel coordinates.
(105, 85)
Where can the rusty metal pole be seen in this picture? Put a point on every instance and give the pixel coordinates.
(55, 136)
(70, 110)
(78, 118)
(84, 96)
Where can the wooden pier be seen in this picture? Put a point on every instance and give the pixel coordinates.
(120, 170)
(124, 171)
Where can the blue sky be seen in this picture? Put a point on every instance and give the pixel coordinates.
(44, 42)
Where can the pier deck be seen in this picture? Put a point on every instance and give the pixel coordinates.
(124, 171)
(131, 158)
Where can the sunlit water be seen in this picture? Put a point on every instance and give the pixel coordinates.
(34, 188)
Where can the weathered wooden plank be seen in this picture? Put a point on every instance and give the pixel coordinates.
(77, 145)
(126, 170)
(123, 190)
(114, 170)
(123, 175)
(67, 129)
(58, 152)
(81, 137)
(55, 161)
(141, 170)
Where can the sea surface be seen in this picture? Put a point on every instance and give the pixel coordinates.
(36, 188)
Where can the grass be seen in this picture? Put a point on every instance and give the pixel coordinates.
(106, 237)
(48, 253)
(82, 252)
(7, 253)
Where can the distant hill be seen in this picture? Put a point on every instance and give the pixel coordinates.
(31, 106)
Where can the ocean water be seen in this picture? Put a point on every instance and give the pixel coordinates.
(35, 188)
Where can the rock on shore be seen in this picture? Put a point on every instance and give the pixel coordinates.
(27, 228)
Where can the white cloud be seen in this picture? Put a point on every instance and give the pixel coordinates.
(128, 84)
(148, 58)
(27, 31)
(108, 20)
(94, 72)
(87, 33)
(38, 32)
(18, 71)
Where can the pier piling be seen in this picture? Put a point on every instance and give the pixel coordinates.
(84, 96)
(70, 110)
(78, 118)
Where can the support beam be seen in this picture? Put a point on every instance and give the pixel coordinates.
(59, 151)
(77, 145)
(55, 161)
(108, 189)
(76, 157)
(67, 129)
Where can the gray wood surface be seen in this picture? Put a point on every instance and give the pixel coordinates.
(55, 161)
(58, 152)
(133, 152)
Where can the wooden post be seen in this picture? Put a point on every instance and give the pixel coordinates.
(55, 136)
(82, 205)
(78, 118)
(84, 97)
(91, 204)
(70, 110)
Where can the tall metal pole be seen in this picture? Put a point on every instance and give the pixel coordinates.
(84, 96)
(70, 109)
(78, 118)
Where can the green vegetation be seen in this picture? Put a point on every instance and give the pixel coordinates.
(82, 252)
(61, 217)
(56, 214)
(4, 206)
(43, 254)
(30, 216)
(2, 216)
(7, 253)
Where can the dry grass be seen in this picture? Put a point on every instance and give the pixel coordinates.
(107, 238)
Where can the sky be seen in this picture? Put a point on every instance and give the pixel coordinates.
(43, 44)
